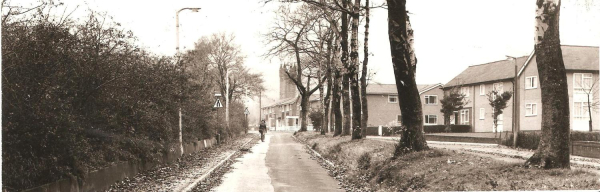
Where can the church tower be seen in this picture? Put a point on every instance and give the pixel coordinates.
(287, 88)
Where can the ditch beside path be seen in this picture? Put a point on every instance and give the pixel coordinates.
(181, 174)
(499, 152)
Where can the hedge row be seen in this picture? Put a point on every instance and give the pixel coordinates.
(442, 128)
(79, 96)
(427, 128)
(531, 139)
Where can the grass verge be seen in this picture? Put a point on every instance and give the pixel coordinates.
(365, 165)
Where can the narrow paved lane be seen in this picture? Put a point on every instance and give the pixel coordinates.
(278, 164)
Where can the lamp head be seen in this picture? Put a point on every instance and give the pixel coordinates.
(195, 9)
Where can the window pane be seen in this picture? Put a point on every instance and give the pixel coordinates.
(577, 78)
(577, 109)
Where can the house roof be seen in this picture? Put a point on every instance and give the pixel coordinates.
(375, 89)
(576, 58)
(493, 71)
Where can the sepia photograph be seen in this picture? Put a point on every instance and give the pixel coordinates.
(300, 95)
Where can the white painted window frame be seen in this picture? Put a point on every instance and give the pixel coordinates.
(482, 89)
(427, 120)
(465, 90)
(530, 107)
(392, 96)
(531, 82)
(428, 98)
(481, 113)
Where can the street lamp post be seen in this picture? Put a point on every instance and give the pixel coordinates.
(227, 97)
(178, 55)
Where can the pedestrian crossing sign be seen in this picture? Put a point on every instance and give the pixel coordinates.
(218, 104)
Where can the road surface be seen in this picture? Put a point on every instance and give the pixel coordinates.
(278, 164)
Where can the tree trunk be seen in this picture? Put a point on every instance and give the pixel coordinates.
(590, 110)
(336, 104)
(553, 150)
(363, 79)
(345, 72)
(303, 112)
(326, 100)
(405, 67)
(356, 107)
(346, 104)
(447, 123)
(353, 76)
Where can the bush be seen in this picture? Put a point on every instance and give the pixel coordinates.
(316, 118)
(388, 131)
(442, 128)
(364, 161)
(372, 130)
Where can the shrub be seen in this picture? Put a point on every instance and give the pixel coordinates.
(364, 161)
(372, 130)
(442, 128)
(316, 118)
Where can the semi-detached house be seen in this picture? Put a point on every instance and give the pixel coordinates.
(581, 63)
(384, 109)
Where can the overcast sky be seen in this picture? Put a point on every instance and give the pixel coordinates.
(449, 35)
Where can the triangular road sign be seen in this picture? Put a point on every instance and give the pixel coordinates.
(246, 111)
(218, 104)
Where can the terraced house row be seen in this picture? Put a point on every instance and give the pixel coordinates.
(518, 75)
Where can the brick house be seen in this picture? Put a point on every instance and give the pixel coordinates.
(384, 109)
(478, 80)
(581, 63)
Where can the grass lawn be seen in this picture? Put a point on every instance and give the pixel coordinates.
(367, 166)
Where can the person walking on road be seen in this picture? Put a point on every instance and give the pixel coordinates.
(263, 130)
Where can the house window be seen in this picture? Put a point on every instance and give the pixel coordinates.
(482, 89)
(498, 87)
(464, 117)
(580, 110)
(531, 82)
(431, 119)
(582, 81)
(399, 119)
(530, 109)
(430, 99)
(481, 113)
(392, 98)
(464, 91)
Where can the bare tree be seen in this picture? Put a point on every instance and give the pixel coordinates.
(498, 102)
(405, 68)
(288, 38)
(553, 150)
(590, 89)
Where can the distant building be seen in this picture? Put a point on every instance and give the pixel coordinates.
(284, 114)
(476, 81)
